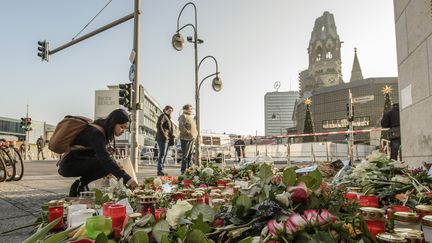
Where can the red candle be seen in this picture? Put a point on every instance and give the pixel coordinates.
(55, 212)
(372, 201)
(160, 213)
(106, 206)
(186, 183)
(118, 214)
(375, 227)
(397, 208)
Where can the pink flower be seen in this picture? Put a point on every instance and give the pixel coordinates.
(323, 186)
(327, 216)
(274, 227)
(277, 179)
(290, 228)
(297, 221)
(313, 218)
(203, 185)
(298, 193)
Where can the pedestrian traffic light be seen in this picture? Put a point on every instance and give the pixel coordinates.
(28, 121)
(347, 109)
(125, 95)
(43, 50)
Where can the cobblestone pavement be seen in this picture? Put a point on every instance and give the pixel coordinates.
(20, 201)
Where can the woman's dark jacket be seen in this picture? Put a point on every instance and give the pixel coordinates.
(93, 138)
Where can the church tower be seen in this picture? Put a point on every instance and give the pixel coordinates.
(324, 56)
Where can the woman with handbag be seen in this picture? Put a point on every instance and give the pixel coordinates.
(164, 137)
(95, 159)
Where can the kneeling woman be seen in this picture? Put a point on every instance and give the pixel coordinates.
(96, 161)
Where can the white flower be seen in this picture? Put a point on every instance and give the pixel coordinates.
(208, 171)
(157, 182)
(177, 211)
(196, 179)
(284, 198)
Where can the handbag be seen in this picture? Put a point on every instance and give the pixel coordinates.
(394, 133)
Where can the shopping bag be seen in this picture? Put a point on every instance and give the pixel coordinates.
(126, 165)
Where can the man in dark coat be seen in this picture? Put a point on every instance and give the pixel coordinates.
(239, 146)
(391, 120)
(164, 137)
(40, 143)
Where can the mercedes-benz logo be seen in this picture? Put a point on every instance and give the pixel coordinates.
(277, 85)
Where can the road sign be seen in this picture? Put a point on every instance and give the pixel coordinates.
(132, 73)
(363, 99)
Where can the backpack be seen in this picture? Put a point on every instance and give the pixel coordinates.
(66, 132)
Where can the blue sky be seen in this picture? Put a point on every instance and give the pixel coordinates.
(256, 43)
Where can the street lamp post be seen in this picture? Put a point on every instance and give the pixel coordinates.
(178, 44)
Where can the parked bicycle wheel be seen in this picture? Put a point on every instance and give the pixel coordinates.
(2, 170)
(18, 162)
(9, 164)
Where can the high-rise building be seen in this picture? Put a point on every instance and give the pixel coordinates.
(278, 110)
(414, 53)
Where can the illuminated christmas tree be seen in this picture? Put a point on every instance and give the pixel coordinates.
(308, 124)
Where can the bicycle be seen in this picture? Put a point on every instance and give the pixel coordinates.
(2, 170)
(12, 160)
(8, 162)
(17, 160)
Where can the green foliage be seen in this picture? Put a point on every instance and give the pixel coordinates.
(201, 225)
(159, 229)
(312, 180)
(289, 177)
(101, 238)
(265, 173)
(140, 236)
(205, 210)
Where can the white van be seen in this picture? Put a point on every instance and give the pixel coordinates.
(214, 147)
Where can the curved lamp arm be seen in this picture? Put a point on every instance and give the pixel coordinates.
(184, 26)
(211, 75)
(178, 18)
(214, 59)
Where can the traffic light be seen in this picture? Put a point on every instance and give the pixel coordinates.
(28, 121)
(43, 50)
(23, 122)
(125, 95)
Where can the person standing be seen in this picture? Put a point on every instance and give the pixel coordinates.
(40, 143)
(239, 146)
(391, 120)
(164, 137)
(188, 134)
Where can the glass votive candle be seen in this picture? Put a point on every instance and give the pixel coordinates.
(372, 201)
(106, 206)
(390, 238)
(117, 212)
(423, 210)
(88, 198)
(98, 224)
(79, 217)
(72, 209)
(427, 227)
(412, 236)
(55, 210)
(397, 208)
(186, 183)
(407, 220)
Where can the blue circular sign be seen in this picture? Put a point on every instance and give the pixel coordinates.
(132, 72)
